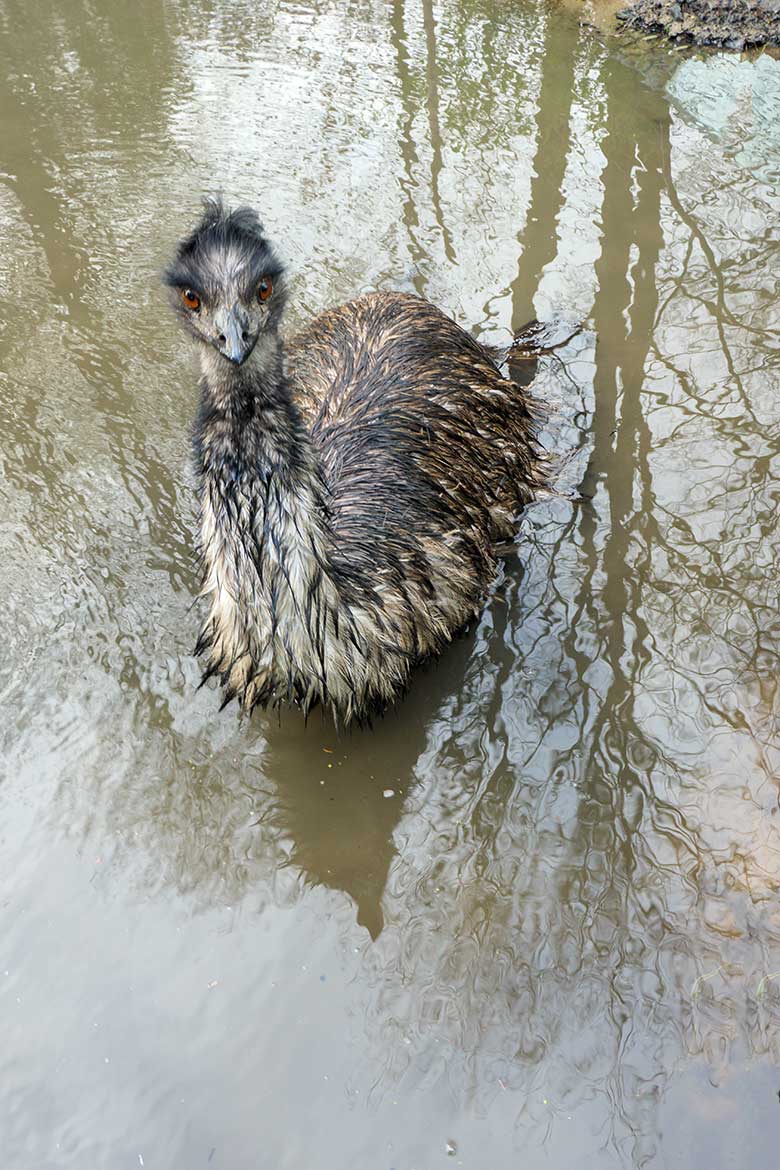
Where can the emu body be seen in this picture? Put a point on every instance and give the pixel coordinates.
(353, 483)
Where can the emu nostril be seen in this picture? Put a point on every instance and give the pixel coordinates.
(244, 335)
(223, 339)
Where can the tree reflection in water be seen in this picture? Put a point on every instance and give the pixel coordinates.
(569, 892)
(583, 901)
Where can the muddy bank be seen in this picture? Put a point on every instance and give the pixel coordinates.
(728, 24)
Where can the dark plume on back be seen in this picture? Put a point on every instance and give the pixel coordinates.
(354, 483)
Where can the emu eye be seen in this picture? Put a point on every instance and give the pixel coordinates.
(265, 288)
(190, 298)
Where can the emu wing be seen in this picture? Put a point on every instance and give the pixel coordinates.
(417, 428)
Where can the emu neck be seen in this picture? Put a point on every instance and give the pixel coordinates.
(248, 426)
(265, 534)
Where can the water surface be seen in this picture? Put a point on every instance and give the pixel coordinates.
(532, 917)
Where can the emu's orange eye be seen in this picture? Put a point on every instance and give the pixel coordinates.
(190, 298)
(265, 288)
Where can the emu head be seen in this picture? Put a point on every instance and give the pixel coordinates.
(227, 282)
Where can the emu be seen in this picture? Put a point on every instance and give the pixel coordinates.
(354, 482)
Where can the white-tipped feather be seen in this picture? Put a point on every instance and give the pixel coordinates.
(353, 485)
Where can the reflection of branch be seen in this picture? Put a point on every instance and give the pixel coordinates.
(677, 283)
(723, 312)
(539, 240)
(689, 219)
(406, 139)
(433, 119)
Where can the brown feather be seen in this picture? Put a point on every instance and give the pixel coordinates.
(354, 486)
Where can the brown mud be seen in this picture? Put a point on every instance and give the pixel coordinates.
(726, 24)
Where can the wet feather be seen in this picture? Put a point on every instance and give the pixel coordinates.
(354, 485)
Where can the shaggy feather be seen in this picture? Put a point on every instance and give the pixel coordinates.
(353, 483)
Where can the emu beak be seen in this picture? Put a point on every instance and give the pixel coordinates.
(234, 340)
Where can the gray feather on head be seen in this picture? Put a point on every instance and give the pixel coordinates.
(227, 280)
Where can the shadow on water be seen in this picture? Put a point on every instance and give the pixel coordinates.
(341, 811)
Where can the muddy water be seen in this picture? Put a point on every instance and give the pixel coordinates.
(532, 918)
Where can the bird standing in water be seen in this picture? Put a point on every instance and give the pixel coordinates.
(354, 481)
